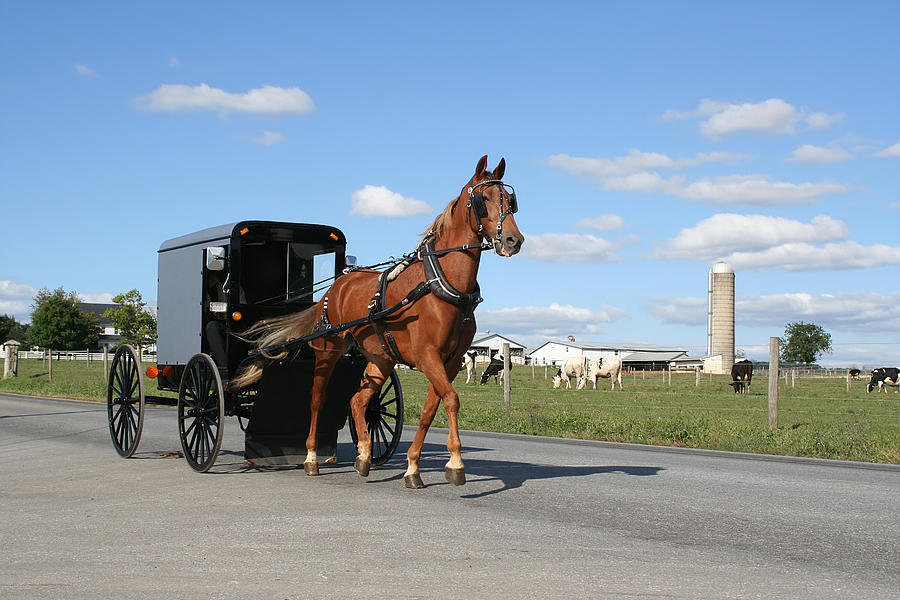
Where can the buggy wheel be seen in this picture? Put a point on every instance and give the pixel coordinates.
(384, 420)
(201, 412)
(125, 400)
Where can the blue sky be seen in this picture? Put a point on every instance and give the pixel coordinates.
(645, 140)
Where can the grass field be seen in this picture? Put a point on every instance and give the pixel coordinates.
(816, 417)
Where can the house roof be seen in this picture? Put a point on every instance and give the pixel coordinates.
(97, 308)
(633, 346)
(652, 356)
(482, 337)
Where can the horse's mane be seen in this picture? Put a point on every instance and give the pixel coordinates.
(442, 221)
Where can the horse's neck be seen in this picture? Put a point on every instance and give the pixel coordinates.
(460, 268)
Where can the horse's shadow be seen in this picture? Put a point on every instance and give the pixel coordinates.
(510, 474)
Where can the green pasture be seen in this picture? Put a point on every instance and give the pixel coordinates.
(817, 417)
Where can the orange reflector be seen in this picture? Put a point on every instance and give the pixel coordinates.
(245, 230)
(168, 371)
(334, 236)
(236, 316)
(152, 372)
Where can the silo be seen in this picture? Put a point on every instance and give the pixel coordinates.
(720, 332)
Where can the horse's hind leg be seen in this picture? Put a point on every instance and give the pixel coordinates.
(373, 380)
(325, 362)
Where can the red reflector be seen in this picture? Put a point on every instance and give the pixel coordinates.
(152, 372)
(168, 371)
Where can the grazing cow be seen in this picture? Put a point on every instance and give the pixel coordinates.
(853, 373)
(607, 368)
(883, 377)
(495, 370)
(741, 374)
(469, 364)
(572, 367)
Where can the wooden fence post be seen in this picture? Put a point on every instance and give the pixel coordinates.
(697, 382)
(506, 375)
(105, 362)
(50, 365)
(773, 382)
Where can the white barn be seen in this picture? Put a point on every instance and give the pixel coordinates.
(554, 352)
(487, 344)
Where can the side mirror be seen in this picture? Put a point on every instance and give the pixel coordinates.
(349, 263)
(215, 258)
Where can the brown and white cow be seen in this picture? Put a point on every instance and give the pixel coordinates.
(572, 367)
(606, 368)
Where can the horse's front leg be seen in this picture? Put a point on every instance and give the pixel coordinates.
(439, 375)
(373, 380)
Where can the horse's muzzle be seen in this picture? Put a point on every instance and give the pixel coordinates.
(508, 244)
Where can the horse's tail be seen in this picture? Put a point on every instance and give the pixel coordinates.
(271, 332)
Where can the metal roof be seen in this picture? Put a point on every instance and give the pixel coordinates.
(199, 237)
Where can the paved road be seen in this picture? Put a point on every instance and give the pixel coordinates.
(538, 519)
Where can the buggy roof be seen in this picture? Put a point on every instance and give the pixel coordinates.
(224, 232)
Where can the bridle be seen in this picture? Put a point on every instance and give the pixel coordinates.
(476, 205)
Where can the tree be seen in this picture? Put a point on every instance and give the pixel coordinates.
(10, 329)
(131, 320)
(59, 324)
(804, 342)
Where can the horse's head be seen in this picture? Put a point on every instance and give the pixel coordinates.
(493, 204)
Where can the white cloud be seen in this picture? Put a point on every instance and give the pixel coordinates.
(571, 247)
(806, 257)
(174, 62)
(759, 242)
(636, 161)
(726, 233)
(757, 190)
(601, 224)
(85, 71)
(816, 154)
(772, 116)
(16, 299)
(890, 152)
(820, 120)
(267, 100)
(269, 138)
(549, 321)
(842, 311)
(846, 312)
(379, 201)
(100, 298)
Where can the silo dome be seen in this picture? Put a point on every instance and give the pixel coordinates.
(721, 267)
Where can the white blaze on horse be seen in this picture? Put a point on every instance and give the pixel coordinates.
(469, 364)
(572, 367)
(605, 368)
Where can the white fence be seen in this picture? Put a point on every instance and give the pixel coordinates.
(72, 355)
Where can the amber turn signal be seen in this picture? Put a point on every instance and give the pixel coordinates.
(152, 372)
(236, 316)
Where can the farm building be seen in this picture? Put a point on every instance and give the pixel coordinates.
(554, 352)
(487, 344)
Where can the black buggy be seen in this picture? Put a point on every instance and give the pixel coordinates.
(213, 285)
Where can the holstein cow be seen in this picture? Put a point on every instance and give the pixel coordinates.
(741, 374)
(607, 368)
(576, 367)
(854, 373)
(883, 377)
(469, 364)
(495, 369)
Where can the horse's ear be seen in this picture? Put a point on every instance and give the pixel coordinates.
(500, 170)
(481, 166)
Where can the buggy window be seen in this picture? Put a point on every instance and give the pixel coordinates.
(309, 271)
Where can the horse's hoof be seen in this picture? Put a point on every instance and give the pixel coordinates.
(413, 482)
(455, 476)
(362, 467)
(311, 468)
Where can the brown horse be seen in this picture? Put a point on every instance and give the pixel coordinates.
(430, 332)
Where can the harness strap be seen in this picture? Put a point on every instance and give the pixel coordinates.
(378, 313)
(437, 281)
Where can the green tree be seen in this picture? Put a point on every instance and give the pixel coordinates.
(58, 323)
(10, 329)
(131, 320)
(804, 342)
